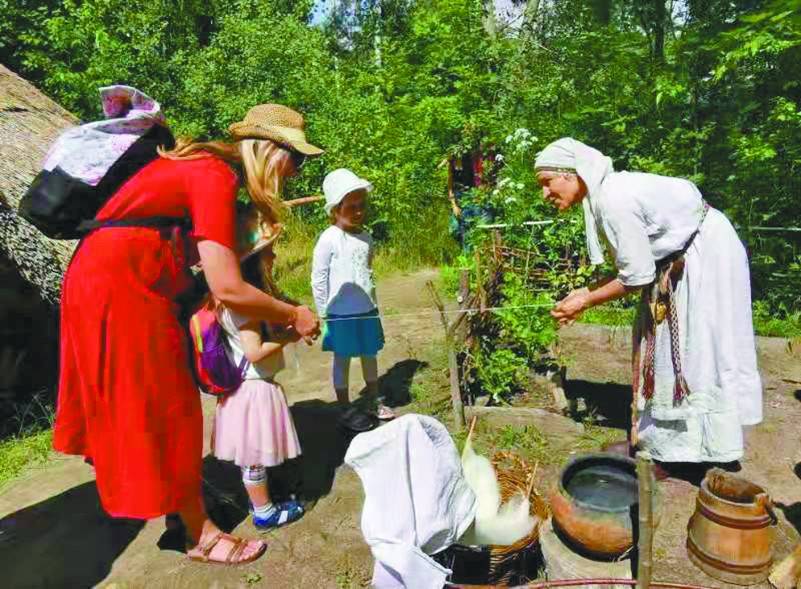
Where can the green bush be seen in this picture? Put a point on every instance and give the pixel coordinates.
(501, 373)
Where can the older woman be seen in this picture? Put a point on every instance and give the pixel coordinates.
(127, 398)
(695, 376)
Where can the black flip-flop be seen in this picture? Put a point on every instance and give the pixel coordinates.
(357, 421)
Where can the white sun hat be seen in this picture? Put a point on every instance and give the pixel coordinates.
(339, 183)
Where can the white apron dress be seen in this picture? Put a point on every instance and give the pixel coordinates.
(645, 218)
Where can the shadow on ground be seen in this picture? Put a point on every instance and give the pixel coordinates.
(396, 383)
(36, 553)
(323, 445)
(607, 403)
(793, 511)
(308, 477)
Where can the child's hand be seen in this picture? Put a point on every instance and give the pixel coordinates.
(306, 322)
(287, 336)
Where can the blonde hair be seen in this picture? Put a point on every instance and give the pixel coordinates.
(264, 162)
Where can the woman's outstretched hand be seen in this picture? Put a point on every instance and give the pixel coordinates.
(306, 323)
(571, 307)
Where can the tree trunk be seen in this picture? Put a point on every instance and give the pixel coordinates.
(530, 20)
(377, 37)
(490, 22)
(603, 11)
(660, 22)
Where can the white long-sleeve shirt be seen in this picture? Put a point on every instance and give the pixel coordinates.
(646, 217)
(342, 277)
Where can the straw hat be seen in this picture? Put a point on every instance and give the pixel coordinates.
(263, 243)
(277, 123)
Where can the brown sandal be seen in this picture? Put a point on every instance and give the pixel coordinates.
(238, 546)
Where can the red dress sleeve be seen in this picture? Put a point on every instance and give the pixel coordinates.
(211, 189)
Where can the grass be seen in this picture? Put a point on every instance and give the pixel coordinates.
(19, 452)
(26, 437)
(764, 325)
(409, 248)
(430, 389)
(788, 327)
(608, 316)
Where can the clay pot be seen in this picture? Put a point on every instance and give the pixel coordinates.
(600, 526)
(730, 536)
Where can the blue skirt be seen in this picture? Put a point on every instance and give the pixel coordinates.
(362, 336)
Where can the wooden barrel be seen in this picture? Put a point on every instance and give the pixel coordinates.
(730, 535)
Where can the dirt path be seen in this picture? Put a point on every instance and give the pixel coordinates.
(53, 533)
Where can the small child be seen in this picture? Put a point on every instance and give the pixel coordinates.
(253, 426)
(343, 288)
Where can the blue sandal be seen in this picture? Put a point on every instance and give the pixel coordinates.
(285, 513)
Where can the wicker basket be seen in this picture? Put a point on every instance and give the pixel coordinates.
(502, 565)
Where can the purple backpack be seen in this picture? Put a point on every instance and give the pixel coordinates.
(216, 373)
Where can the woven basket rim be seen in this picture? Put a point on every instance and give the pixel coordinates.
(512, 481)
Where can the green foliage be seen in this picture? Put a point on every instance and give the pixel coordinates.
(525, 322)
(391, 87)
(501, 373)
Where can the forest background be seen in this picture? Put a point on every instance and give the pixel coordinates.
(704, 89)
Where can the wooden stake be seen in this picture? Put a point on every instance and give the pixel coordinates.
(472, 427)
(787, 574)
(482, 296)
(456, 392)
(464, 287)
(645, 479)
(302, 201)
(453, 365)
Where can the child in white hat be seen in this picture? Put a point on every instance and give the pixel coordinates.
(343, 287)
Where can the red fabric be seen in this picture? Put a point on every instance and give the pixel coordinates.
(127, 398)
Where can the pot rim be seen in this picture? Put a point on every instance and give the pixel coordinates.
(598, 456)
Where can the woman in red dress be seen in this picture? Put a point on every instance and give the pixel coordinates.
(127, 397)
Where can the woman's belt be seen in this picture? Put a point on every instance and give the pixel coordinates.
(658, 299)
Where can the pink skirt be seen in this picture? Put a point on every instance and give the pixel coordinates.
(253, 426)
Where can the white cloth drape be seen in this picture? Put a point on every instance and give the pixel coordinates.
(87, 152)
(416, 503)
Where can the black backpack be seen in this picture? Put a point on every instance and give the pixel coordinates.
(64, 207)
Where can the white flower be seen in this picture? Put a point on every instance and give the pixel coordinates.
(499, 157)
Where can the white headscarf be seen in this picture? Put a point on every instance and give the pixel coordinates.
(569, 155)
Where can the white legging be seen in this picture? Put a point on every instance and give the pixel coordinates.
(342, 370)
(254, 475)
